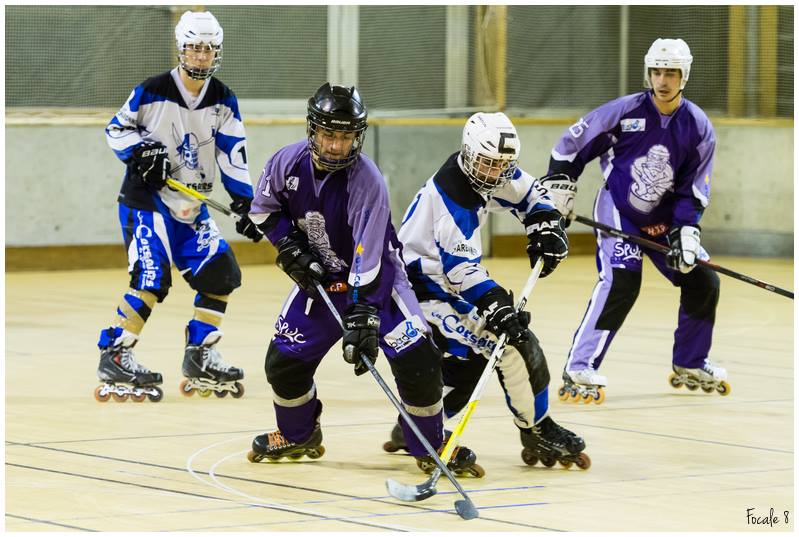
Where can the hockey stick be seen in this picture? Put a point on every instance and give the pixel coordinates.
(177, 185)
(411, 493)
(665, 249)
(465, 508)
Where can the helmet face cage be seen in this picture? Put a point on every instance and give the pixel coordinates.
(668, 54)
(486, 174)
(195, 72)
(336, 109)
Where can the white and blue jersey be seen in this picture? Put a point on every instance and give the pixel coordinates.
(202, 134)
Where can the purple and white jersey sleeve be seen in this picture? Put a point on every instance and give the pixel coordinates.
(369, 216)
(693, 190)
(269, 201)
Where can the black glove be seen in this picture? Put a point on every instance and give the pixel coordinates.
(245, 226)
(684, 243)
(294, 257)
(361, 326)
(547, 239)
(151, 158)
(501, 317)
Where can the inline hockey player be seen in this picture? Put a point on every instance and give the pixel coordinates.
(656, 151)
(325, 207)
(466, 309)
(183, 123)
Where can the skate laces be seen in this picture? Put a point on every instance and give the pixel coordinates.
(275, 439)
(715, 370)
(129, 362)
(213, 360)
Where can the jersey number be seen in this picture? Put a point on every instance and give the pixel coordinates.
(578, 128)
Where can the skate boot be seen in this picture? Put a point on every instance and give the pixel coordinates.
(548, 442)
(205, 373)
(462, 463)
(397, 441)
(123, 377)
(709, 377)
(583, 385)
(274, 446)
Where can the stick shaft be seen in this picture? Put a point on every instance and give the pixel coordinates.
(652, 245)
(177, 185)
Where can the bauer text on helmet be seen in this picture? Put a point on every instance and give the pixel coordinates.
(668, 54)
(336, 126)
(489, 151)
(199, 40)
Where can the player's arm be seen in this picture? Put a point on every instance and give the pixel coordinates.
(230, 145)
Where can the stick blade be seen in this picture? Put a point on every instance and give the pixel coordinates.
(412, 493)
(466, 509)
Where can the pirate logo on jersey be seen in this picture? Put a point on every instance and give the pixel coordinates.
(188, 150)
(314, 227)
(652, 176)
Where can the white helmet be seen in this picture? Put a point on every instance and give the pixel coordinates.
(490, 151)
(199, 29)
(668, 54)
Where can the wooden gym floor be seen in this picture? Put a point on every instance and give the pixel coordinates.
(663, 459)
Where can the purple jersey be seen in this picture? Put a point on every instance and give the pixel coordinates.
(657, 167)
(345, 215)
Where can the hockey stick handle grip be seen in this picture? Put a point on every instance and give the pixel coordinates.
(652, 245)
(190, 192)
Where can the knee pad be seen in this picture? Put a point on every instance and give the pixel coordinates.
(418, 374)
(536, 362)
(623, 292)
(290, 378)
(219, 277)
(699, 293)
(164, 283)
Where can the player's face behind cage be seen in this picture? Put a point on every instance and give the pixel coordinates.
(200, 60)
(488, 174)
(336, 126)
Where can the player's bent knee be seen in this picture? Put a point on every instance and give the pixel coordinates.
(219, 277)
(418, 374)
(536, 362)
(699, 292)
(623, 293)
(159, 286)
(289, 377)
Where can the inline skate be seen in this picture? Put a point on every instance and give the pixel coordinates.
(206, 373)
(584, 385)
(124, 377)
(549, 443)
(273, 446)
(709, 377)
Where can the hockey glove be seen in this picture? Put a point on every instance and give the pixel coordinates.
(547, 239)
(245, 226)
(294, 257)
(561, 189)
(684, 244)
(151, 158)
(361, 327)
(501, 317)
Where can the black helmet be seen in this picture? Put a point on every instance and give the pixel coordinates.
(336, 108)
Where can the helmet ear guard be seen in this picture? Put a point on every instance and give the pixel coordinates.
(199, 31)
(489, 151)
(668, 54)
(336, 109)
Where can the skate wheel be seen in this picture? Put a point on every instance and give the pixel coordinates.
(119, 398)
(528, 456)
(549, 462)
(692, 387)
(157, 396)
(185, 388)
(204, 393)
(599, 398)
(566, 464)
(584, 461)
(239, 390)
(138, 398)
(316, 452)
(708, 389)
(723, 388)
(476, 471)
(220, 394)
(254, 457)
(295, 456)
(99, 396)
(574, 394)
(675, 381)
(563, 394)
(390, 447)
(587, 398)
